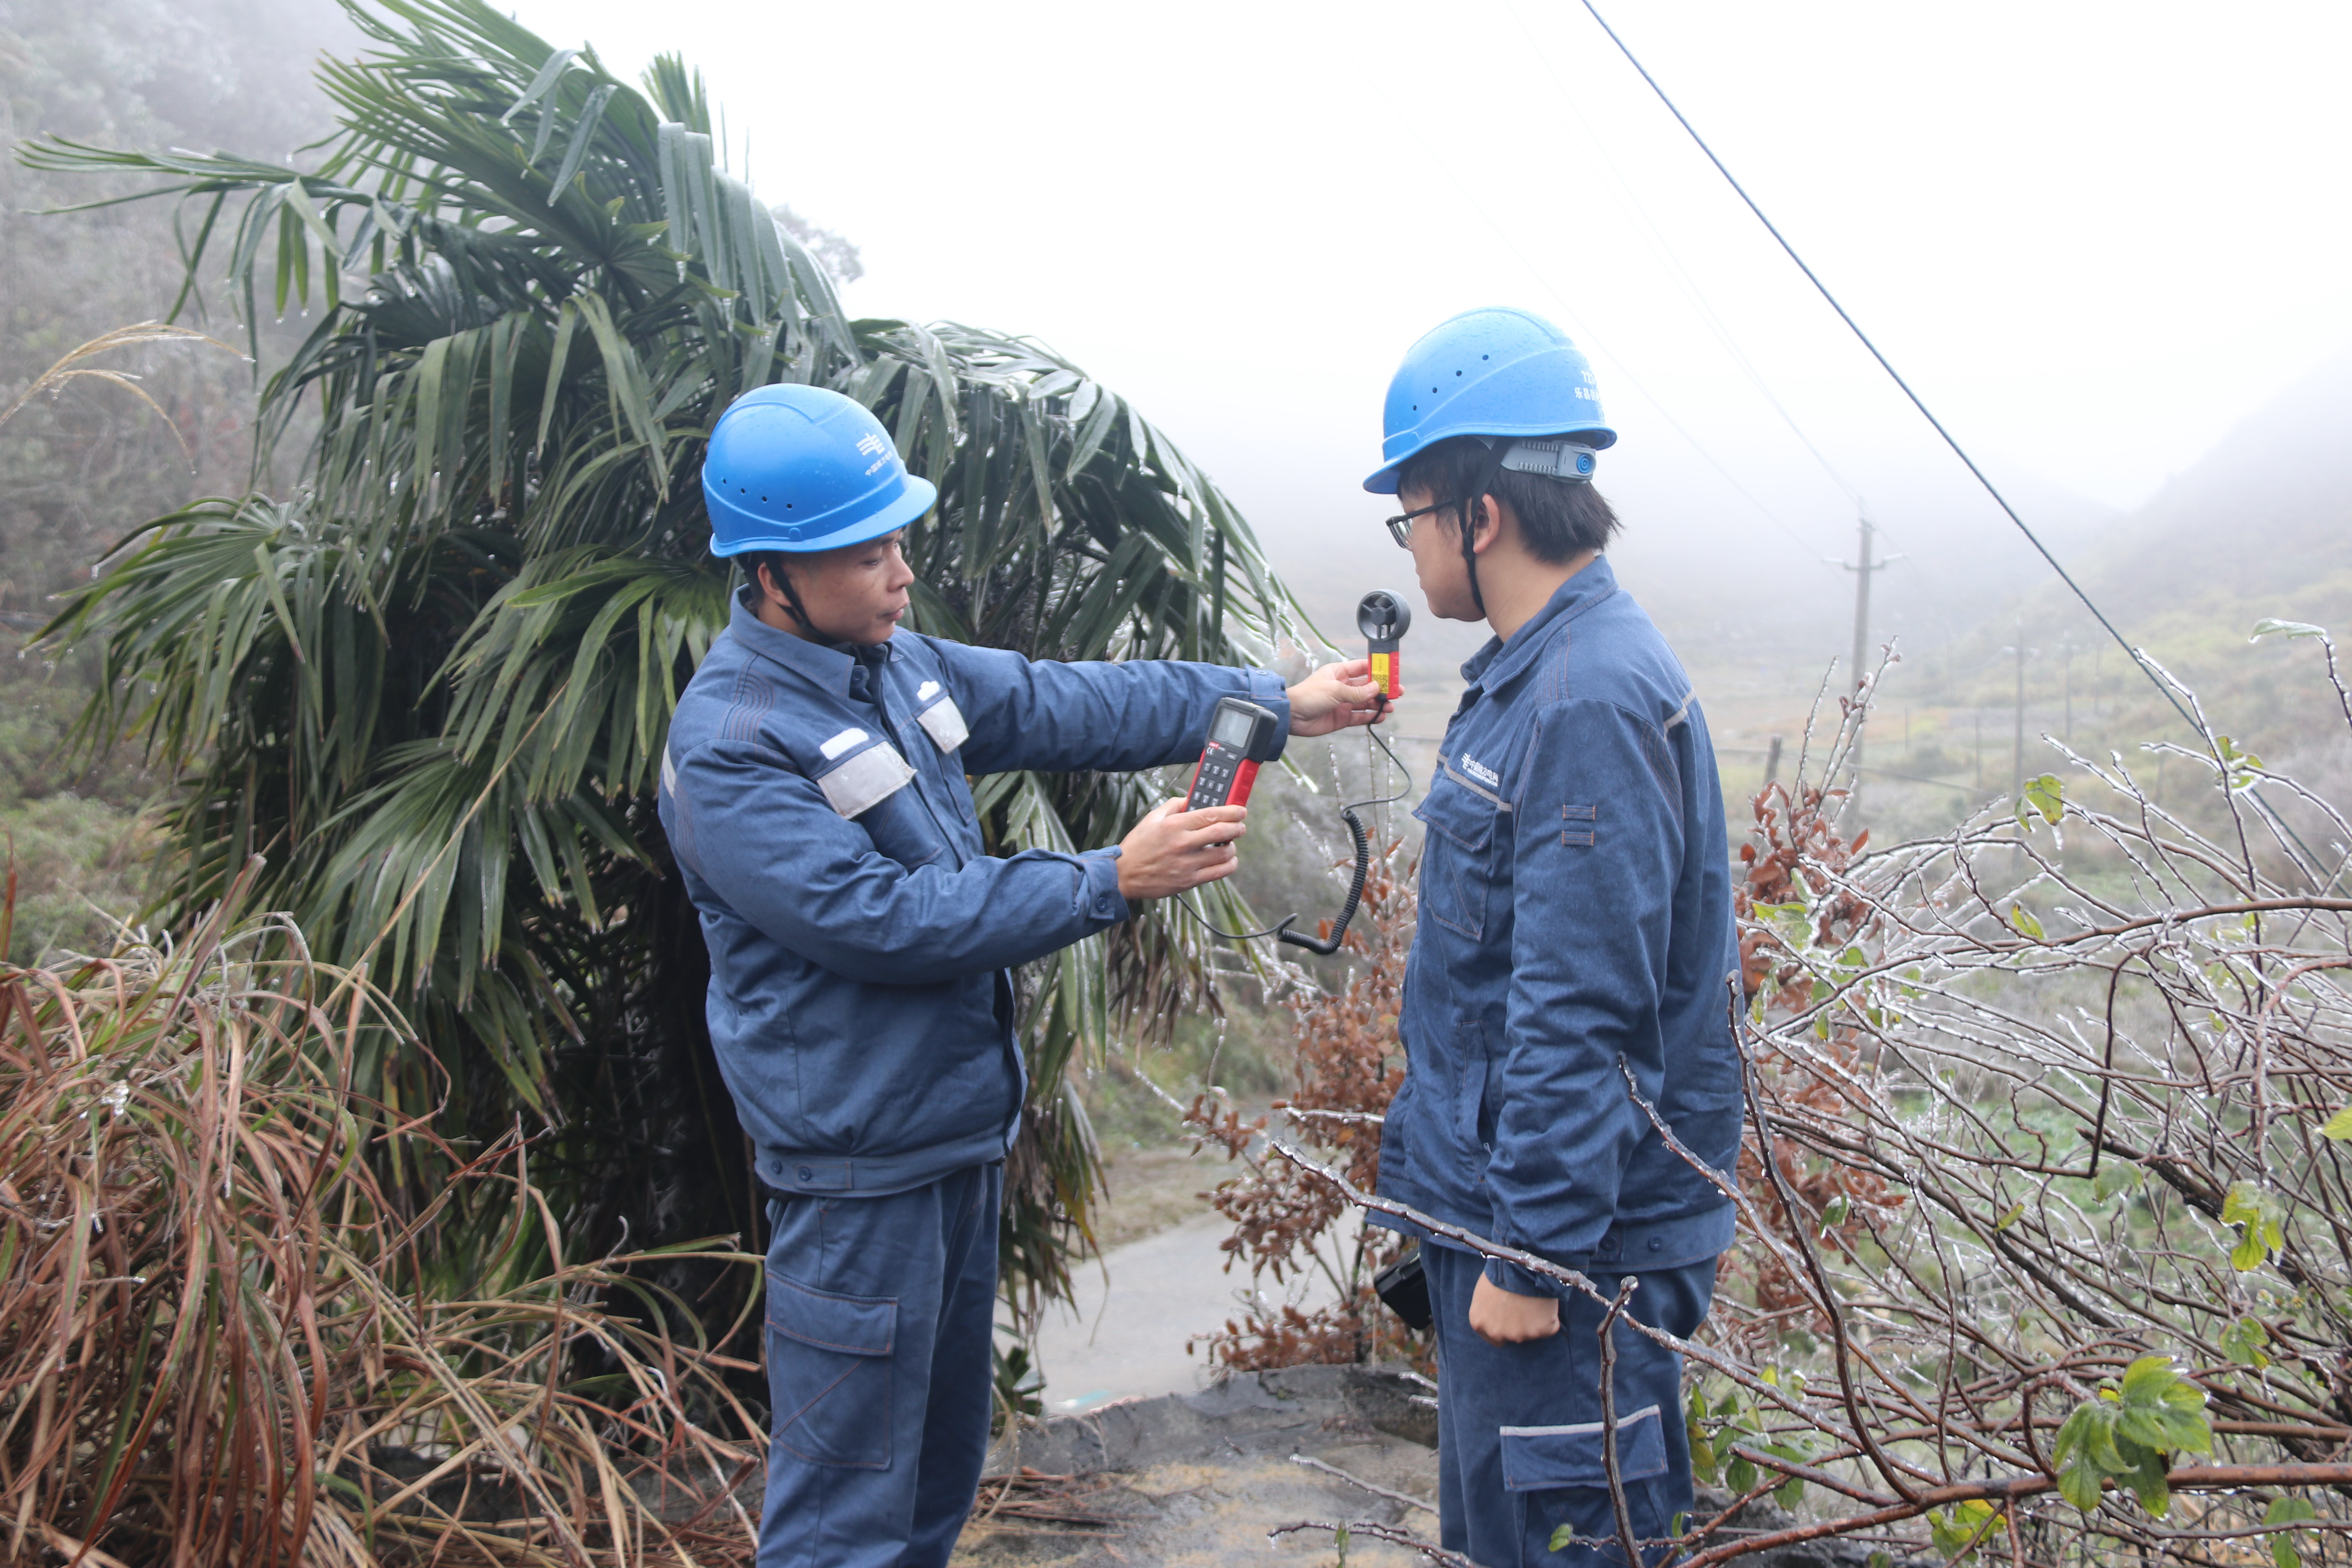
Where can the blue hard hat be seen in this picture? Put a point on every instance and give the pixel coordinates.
(1495, 371)
(801, 468)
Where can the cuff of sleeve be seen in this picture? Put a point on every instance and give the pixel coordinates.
(1520, 1282)
(1103, 900)
(1266, 689)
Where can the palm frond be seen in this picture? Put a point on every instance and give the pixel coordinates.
(436, 684)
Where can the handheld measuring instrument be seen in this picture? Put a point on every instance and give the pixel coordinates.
(1242, 736)
(1384, 618)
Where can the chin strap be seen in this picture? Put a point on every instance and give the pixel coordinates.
(1470, 561)
(1464, 511)
(783, 582)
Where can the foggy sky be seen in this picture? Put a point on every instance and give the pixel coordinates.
(2093, 236)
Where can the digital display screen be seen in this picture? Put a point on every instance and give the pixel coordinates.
(1231, 728)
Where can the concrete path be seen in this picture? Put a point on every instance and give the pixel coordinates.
(1126, 1339)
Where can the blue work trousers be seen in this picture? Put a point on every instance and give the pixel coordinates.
(881, 1311)
(1519, 1442)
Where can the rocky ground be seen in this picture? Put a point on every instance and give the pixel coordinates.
(1200, 1477)
(1145, 1459)
(1199, 1480)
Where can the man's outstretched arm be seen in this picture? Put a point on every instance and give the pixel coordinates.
(769, 843)
(1122, 716)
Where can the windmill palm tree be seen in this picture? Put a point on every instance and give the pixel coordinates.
(431, 684)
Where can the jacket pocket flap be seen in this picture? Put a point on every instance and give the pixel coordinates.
(943, 722)
(1459, 814)
(866, 778)
(854, 1325)
(1539, 1458)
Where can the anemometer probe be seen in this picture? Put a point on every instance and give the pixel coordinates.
(1242, 736)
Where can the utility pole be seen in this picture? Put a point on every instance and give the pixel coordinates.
(2067, 644)
(1861, 568)
(2017, 754)
(2017, 742)
(1862, 600)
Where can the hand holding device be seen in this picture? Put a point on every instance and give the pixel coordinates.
(1171, 849)
(1338, 696)
(1242, 735)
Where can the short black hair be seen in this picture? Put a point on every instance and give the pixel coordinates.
(1558, 518)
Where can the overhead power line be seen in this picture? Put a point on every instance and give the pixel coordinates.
(1591, 338)
(1883, 364)
(1630, 200)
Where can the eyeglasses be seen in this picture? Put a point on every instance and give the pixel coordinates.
(1401, 525)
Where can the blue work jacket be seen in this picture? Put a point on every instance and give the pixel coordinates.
(817, 801)
(1575, 915)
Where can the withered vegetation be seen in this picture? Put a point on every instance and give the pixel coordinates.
(2045, 1246)
(221, 1342)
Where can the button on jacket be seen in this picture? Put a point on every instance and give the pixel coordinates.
(817, 804)
(1575, 915)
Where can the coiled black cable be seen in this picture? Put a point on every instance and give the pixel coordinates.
(1363, 839)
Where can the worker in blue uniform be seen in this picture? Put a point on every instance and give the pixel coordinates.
(1575, 945)
(814, 789)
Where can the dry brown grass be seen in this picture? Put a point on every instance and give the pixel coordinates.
(220, 1342)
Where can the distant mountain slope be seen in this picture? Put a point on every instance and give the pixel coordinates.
(2261, 526)
(2266, 515)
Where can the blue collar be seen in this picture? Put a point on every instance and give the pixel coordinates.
(1499, 660)
(828, 668)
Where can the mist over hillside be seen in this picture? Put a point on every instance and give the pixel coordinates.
(2259, 524)
(1734, 547)
(2262, 526)
(2268, 515)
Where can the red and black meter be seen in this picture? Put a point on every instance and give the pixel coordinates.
(1241, 736)
(1383, 617)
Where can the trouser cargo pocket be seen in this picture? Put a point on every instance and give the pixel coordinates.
(829, 1372)
(1539, 1459)
(1558, 1475)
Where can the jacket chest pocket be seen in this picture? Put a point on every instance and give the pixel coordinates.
(871, 783)
(1457, 855)
(902, 828)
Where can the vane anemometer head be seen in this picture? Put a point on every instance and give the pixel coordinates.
(1383, 617)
